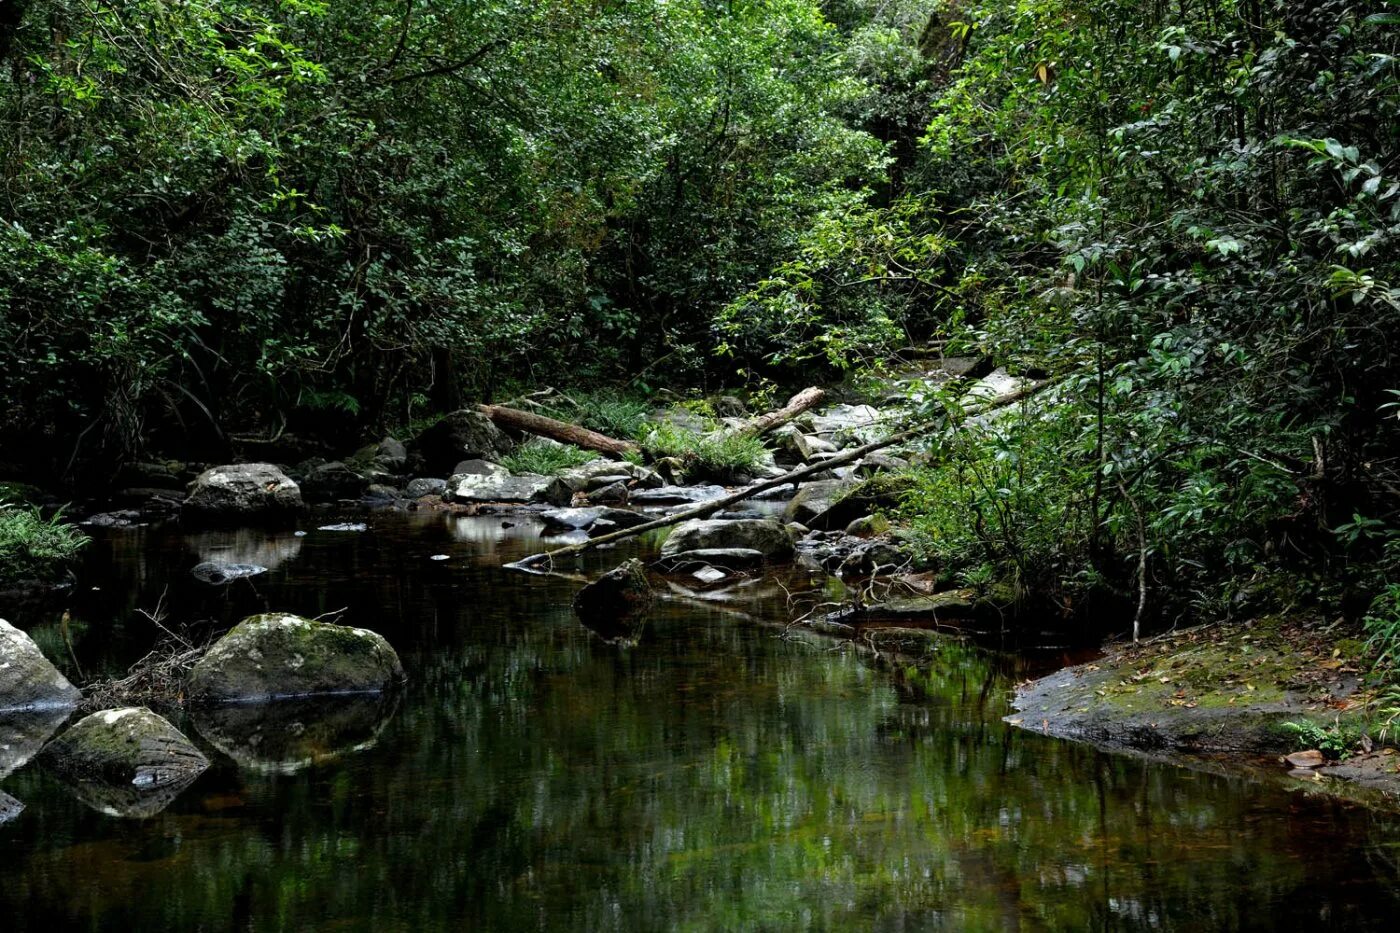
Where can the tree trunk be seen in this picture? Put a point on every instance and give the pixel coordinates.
(757, 427)
(561, 431)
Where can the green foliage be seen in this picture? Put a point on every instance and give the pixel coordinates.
(1335, 741)
(610, 413)
(33, 547)
(545, 458)
(1383, 626)
(715, 455)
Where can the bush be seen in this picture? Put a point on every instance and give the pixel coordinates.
(545, 458)
(33, 547)
(608, 413)
(716, 455)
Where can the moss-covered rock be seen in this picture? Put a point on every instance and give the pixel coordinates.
(27, 679)
(767, 536)
(280, 655)
(130, 747)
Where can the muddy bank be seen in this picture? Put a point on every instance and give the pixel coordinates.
(1251, 693)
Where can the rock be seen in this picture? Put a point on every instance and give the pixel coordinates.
(527, 487)
(581, 519)
(956, 605)
(598, 473)
(709, 575)
(850, 425)
(124, 518)
(792, 445)
(733, 515)
(670, 495)
(391, 455)
(291, 735)
(380, 494)
(868, 526)
(994, 385)
(479, 468)
(813, 500)
(243, 491)
(24, 732)
(281, 655)
(462, 435)
(766, 536)
(331, 481)
(345, 526)
(425, 486)
(1308, 759)
(27, 680)
(728, 558)
(9, 808)
(880, 462)
(618, 492)
(218, 573)
(131, 747)
(606, 604)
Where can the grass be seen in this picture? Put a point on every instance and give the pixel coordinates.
(715, 455)
(545, 459)
(33, 547)
(618, 416)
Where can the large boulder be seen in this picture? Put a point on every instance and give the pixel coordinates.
(281, 655)
(243, 490)
(328, 482)
(126, 747)
(24, 732)
(813, 501)
(527, 487)
(27, 679)
(766, 536)
(462, 435)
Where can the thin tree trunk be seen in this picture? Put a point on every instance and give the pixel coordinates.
(796, 476)
(561, 431)
(757, 427)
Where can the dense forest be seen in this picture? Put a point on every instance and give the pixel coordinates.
(226, 219)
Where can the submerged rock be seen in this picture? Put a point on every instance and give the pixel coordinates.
(243, 490)
(766, 536)
(132, 747)
(291, 735)
(609, 603)
(526, 488)
(218, 573)
(27, 680)
(281, 655)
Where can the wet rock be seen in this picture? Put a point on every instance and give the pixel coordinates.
(461, 435)
(880, 462)
(27, 680)
(582, 519)
(599, 473)
(812, 501)
(243, 491)
(767, 536)
(331, 481)
(380, 494)
(617, 492)
(1308, 759)
(217, 573)
(10, 808)
(609, 603)
(391, 455)
(24, 732)
(479, 468)
(291, 735)
(709, 575)
(425, 486)
(528, 487)
(673, 495)
(130, 748)
(727, 558)
(281, 655)
(734, 515)
(124, 518)
(792, 446)
(868, 526)
(954, 605)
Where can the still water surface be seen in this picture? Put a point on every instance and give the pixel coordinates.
(713, 776)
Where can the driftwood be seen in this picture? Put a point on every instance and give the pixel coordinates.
(757, 427)
(561, 431)
(531, 564)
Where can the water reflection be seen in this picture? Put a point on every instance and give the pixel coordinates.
(260, 547)
(290, 735)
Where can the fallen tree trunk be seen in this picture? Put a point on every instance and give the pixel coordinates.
(757, 427)
(561, 431)
(530, 564)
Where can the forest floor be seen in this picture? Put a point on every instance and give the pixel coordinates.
(1284, 690)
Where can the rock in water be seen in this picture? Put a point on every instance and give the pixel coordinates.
(462, 435)
(243, 490)
(24, 732)
(766, 536)
(280, 655)
(132, 747)
(27, 679)
(9, 808)
(608, 604)
(528, 487)
(217, 572)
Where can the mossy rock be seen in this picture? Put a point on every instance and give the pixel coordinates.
(280, 655)
(612, 605)
(130, 747)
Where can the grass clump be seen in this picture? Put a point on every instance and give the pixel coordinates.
(607, 413)
(545, 458)
(33, 547)
(717, 455)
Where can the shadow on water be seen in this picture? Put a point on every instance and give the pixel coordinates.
(710, 776)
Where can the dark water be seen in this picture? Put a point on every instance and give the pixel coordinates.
(713, 776)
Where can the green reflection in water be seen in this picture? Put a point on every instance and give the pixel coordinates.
(714, 776)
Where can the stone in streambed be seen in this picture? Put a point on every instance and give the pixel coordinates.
(130, 747)
(280, 655)
(728, 558)
(243, 491)
(606, 604)
(27, 680)
(767, 536)
(526, 488)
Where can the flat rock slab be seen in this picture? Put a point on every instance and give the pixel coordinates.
(527, 488)
(767, 536)
(130, 747)
(279, 655)
(672, 495)
(27, 679)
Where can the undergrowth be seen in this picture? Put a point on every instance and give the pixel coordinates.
(545, 458)
(716, 455)
(35, 547)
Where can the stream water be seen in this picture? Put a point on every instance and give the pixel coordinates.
(712, 776)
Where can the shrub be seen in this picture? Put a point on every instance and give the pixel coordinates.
(545, 458)
(715, 455)
(34, 547)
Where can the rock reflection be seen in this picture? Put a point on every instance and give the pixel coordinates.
(24, 733)
(9, 808)
(264, 547)
(128, 801)
(286, 736)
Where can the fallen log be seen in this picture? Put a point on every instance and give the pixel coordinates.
(532, 563)
(757, 427)
(562, 431)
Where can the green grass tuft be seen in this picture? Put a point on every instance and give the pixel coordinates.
(33, 547)
(714, 455)
(545, 458)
